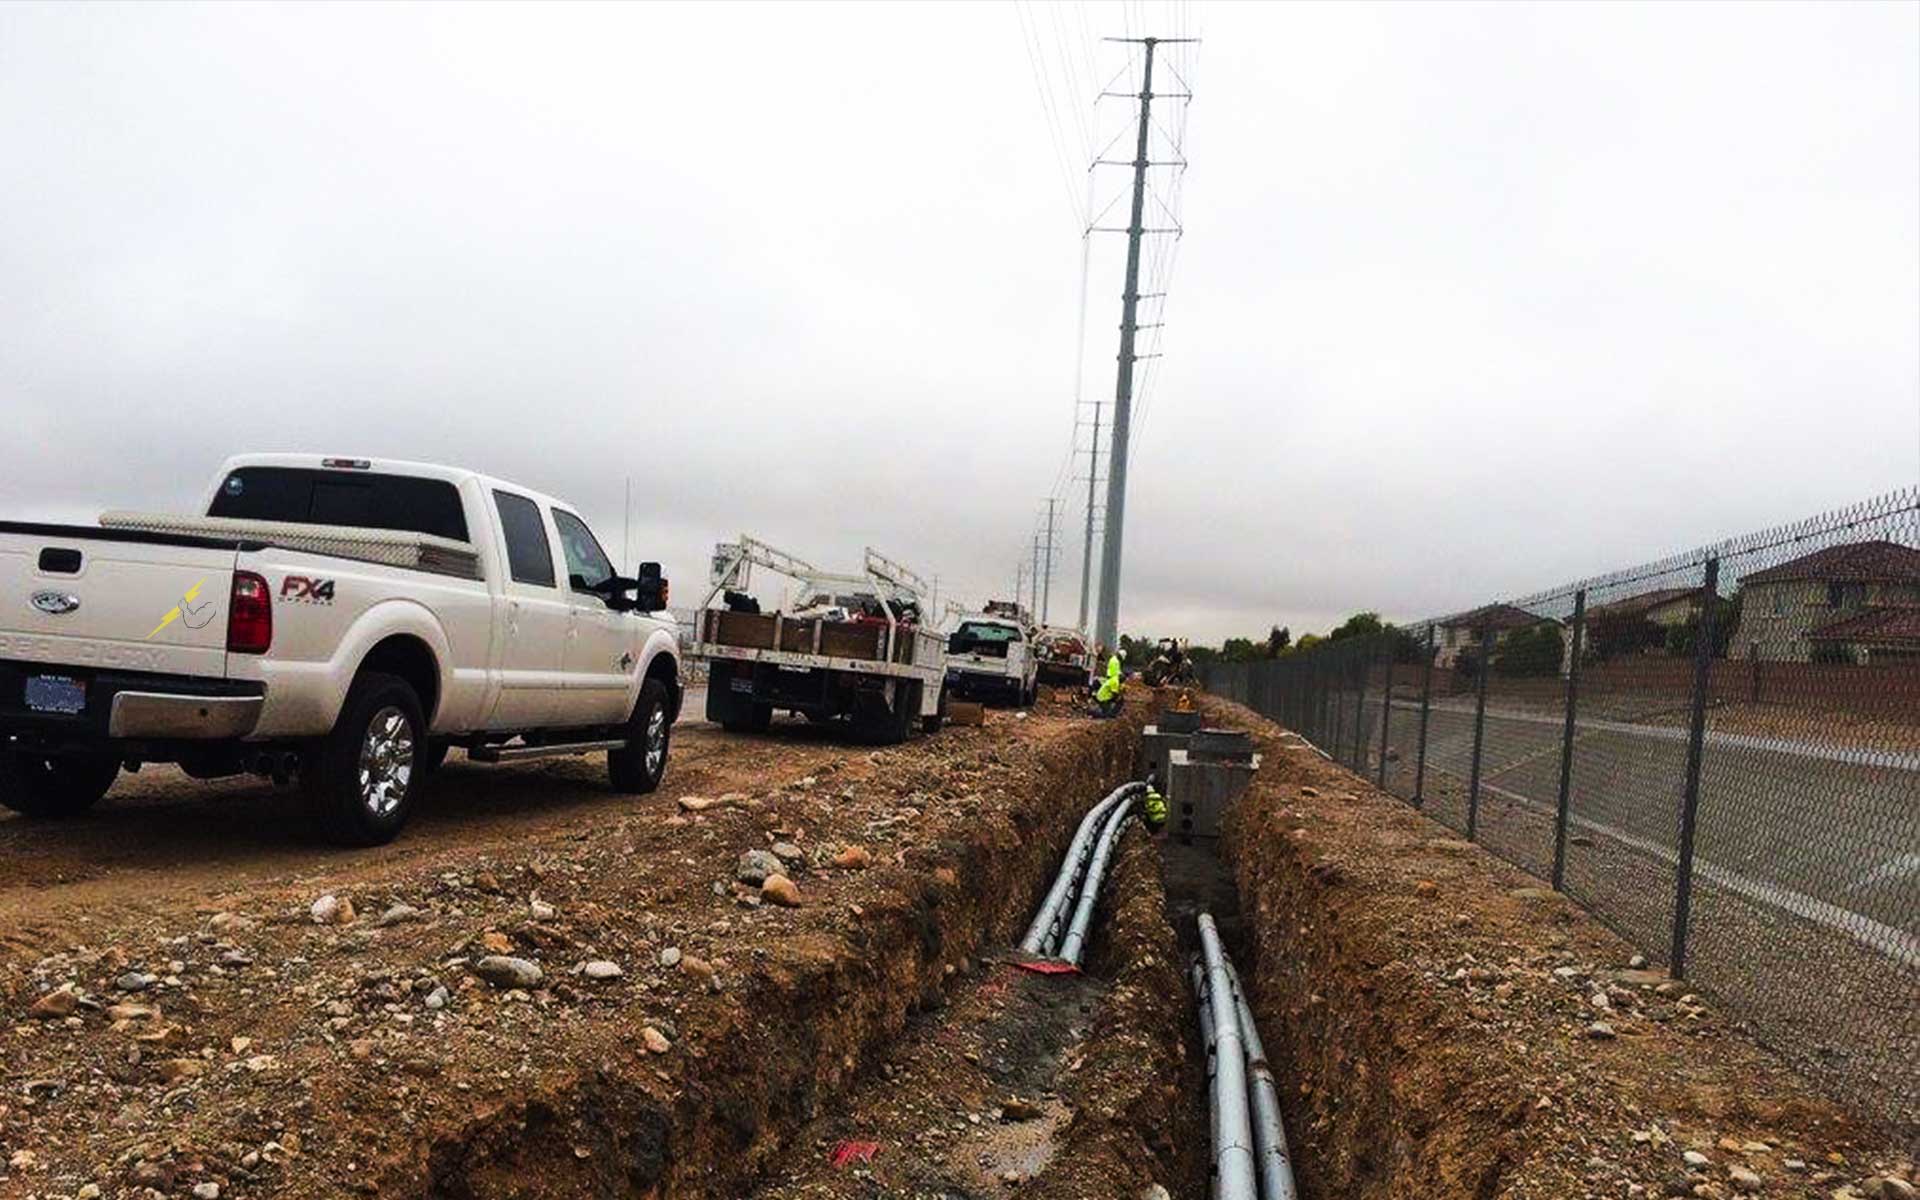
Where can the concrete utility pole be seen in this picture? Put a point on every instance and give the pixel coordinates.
(1108, 632)
(1046, 593)
(1086, 549)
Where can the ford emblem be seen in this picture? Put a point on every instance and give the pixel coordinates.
(55, 604)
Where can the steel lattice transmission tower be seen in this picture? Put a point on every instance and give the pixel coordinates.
(1107, 628)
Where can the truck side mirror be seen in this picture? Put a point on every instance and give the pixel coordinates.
(650, 588)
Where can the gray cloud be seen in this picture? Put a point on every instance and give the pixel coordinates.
(1472, 298)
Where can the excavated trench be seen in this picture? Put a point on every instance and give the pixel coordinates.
(1424, 1011)
(1442, 1025)
(821, 1030)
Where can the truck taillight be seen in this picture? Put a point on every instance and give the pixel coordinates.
(249, 615)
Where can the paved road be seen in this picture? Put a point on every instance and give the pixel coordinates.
(1825, 832)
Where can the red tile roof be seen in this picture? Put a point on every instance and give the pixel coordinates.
(1496, 616)
(1641, 605)
(1875, 625)
(1853, 562)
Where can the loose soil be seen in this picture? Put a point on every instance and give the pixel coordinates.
(1031, 1084)
(1445, 1025)
(216, 1034)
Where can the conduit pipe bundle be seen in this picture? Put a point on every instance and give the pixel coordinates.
(1256, 1103)
(1269, 1132)
(1074, 944)
(1045, 933)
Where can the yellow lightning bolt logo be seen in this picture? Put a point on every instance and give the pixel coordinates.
(173, 614)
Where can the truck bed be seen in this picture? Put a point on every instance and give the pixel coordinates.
(806, 635)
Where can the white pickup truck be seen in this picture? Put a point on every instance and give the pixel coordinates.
(989, 657)
(339, 621)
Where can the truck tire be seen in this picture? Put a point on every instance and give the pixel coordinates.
(638, 767)
(362, 778)
(880, 724)
(51, 788)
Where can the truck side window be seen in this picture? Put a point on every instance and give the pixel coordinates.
(584, 556)
(529, 557)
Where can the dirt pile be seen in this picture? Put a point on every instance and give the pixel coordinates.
(644, 1024)
(1446, 1026)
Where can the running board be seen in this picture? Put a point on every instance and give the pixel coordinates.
(497, 754)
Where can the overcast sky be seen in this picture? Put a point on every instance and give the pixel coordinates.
(1471, 299)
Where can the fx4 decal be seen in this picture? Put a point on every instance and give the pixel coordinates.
(298, 589)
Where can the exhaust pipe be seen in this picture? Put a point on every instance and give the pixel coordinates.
(1269, 1132)
(1046, 922)
(1074, 944)
(1234, 1177)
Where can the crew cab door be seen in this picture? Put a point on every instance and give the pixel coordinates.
(534, 618)
(599, 658)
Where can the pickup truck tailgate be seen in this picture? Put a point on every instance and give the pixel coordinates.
(70, 596)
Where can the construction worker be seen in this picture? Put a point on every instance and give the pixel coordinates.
(1107, 696)
(1153, 807)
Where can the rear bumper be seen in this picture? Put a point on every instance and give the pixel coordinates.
(132, 706)
(173, 715)
(971, 684)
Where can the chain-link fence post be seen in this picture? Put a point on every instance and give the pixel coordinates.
(1386, 704)
(1363, 665)
(1696, 743)
(1339, 712)
(1482, 669)
(1566, 741)
(1426, 705)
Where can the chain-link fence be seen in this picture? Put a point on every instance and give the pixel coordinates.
(1717, 754)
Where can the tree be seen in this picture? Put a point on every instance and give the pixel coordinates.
(1307, 642)
(1278, 639)
(1359, 624)
(1533, 650)
(1681, 639)
(1238, 649)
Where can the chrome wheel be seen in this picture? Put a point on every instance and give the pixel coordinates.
(656, 740)
(386, 761)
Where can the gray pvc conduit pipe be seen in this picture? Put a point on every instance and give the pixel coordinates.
(1046, 922)
(1234, 1177)
(1074, 944)
(1205, 1009)
(1269, 1133)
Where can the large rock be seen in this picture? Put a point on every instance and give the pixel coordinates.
(853, 858)
(55, 1005)
(755, 866)
(503, 971)
(778, 889)
(331, 910)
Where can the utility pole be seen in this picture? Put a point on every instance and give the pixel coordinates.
(1046, 594)
(1033, 606)
(1114, 535)
(1086, 549)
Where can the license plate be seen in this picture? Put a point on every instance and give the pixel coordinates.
(56, 694)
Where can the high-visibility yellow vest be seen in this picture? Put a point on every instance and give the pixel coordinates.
(1155, 807)
(1111, 685)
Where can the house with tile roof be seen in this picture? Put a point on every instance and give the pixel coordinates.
(1855, 602)
(1463, 632)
